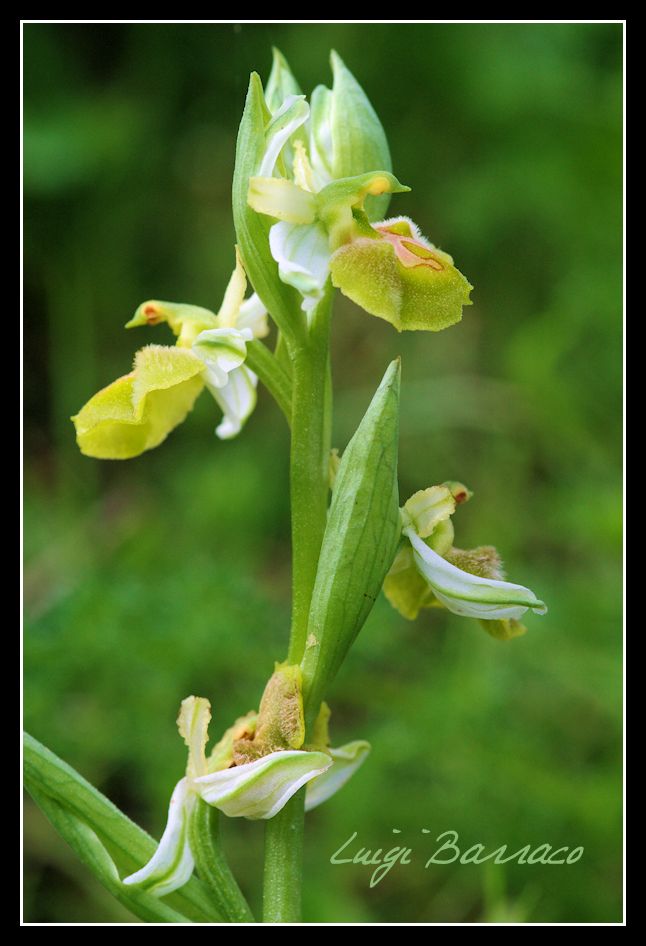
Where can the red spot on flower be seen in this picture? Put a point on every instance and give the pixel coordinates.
(152, 314)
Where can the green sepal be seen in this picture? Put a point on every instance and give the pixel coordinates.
(252, 229)
(338, 201)
(359, 141)
(360, 540)
(281, 82)
(406, 590)
(185, 321)
(138, 411)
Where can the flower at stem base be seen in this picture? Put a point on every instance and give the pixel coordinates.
(256, 789)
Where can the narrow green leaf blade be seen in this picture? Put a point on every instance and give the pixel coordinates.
(87, 845)
(128, 844)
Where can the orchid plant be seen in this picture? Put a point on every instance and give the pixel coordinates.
(311, 189)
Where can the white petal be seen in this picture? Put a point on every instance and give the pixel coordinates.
(260, 789)
(237, 400)
(303, 257)
(253, 315)
(345, 762)
(470, 595)
(222, 350)
(293, 113)
(172, 863)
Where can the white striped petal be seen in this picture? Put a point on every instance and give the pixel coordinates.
(345, 762)
(260, 789)
(469, 595)
(172, 863)
(303, 257)
(222, 350)
(237, 400)
(293, 113)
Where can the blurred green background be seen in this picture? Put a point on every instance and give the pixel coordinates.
(168, 575)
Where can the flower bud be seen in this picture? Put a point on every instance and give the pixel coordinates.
(346, 136)
(281, 83)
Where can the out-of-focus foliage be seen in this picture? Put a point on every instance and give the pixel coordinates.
(169, 575)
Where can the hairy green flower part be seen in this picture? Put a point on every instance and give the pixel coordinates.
(138, 411)
(346, 136)
(401, 277)
(483, 561)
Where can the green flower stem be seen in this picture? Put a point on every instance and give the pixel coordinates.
(284, 863)
(272, 375)
(212, 866)
(310, 451)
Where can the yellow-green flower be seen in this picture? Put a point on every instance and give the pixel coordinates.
(323, 173)
(137, 412)
(429, 571)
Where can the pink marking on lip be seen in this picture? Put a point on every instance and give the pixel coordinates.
(407, 256)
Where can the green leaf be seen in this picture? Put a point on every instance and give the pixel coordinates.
(86, 844)
(130, 847)
(252, 229)
(360, 541)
